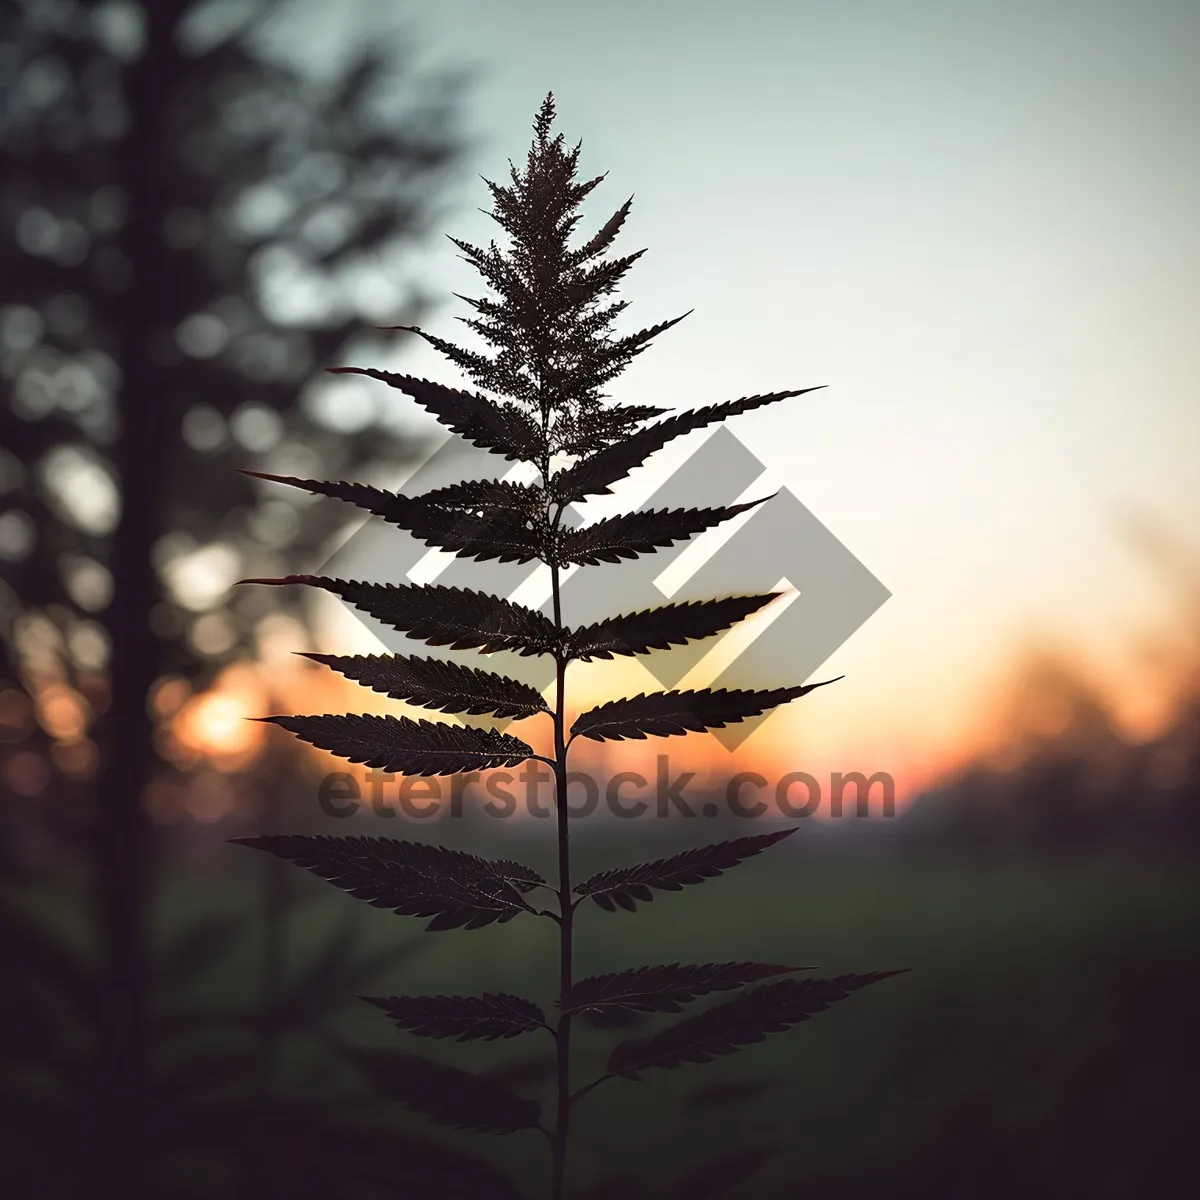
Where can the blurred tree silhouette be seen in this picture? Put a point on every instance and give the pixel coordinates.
(189, 225)
(1065, 778)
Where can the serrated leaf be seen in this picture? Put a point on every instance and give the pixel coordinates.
(483, 539)
(523, 878)
(412, 879)
(454, 529)
(627, 885)
(465, 1018)
(594, 476)
(405, 746)
(600, 241)
(660, 628)
(491, 498)
(502, 428)
(592, 429)
(742, 1021)
(662, 989)
(641, 532)
(470, 362)
(447, 1095)
(439, 685)
(637, 342)
(374, 500)
(661, 714)
(459, 618)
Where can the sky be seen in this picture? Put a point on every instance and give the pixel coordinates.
(975, 223)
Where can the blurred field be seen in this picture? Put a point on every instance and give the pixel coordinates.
(1043, 1042)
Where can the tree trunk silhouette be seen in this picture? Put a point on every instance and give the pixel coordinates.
(136, 291)
(149, 430)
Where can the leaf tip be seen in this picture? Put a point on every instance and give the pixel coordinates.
(825, 682)
(281, 580)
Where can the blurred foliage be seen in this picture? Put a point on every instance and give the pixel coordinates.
(1068, 778)
(192, 225)
(283, 205)
(1046, 1045)
(247, 1092)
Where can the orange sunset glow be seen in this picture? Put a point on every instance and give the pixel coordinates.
(1040, 696)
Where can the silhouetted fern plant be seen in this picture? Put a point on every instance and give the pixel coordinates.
(555, 352)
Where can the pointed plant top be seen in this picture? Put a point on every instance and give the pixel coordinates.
(549, 322)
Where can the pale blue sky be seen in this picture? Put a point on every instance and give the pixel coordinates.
(975, 222)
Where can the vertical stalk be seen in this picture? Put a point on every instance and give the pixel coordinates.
(565, 929)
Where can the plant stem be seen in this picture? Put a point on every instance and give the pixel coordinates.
(567, 912)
